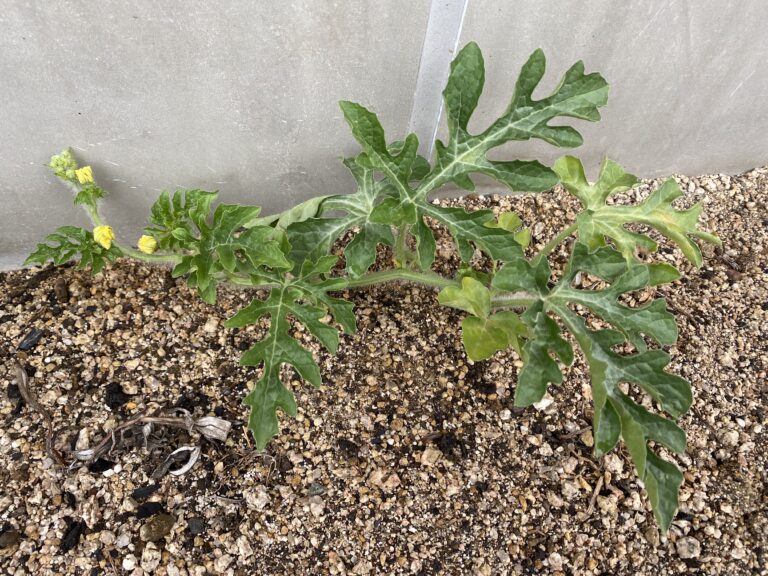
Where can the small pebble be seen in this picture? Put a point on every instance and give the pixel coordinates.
(9, 539)
(196, 525)
(31, 339)
(157, 527)
(688, 548)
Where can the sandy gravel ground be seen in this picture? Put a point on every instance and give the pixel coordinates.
(410, 460)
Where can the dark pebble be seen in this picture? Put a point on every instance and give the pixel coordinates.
(485, 387)
(349, 448)
(9, 539)
(100, 465)
(69, 499)
(114, 397)
(196, 525)
(61, 290)
(72, 536)
(157, 528)
(315, 489)
(149, 509)
(145, 491)
(14, 394)
(31, 339)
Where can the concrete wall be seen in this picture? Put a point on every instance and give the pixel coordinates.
(240, 95)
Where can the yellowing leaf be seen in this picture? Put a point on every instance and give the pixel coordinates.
(600, 220)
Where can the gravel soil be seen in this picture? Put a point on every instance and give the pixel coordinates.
(409, 460)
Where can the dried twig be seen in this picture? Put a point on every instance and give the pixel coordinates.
(209, 426)
(22, 380)
(592, 500)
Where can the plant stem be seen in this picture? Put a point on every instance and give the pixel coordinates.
(401, 247)
(95, 217)
(246, 282)
(150, 258)
(426, 278)
(554, 243)
(512, 300)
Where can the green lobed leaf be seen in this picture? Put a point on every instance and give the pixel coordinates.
(520, 275)
(68, 243)
(483, 337)
(482, 333)
(600, 220)
(618, 415)
(89, 194)
(577, 96)
(609, 264)
(539, 368)
(472, 296)
(314, 237)
(221, 244)
(469, 228)
(396, 163)
(304, 298)
(651, 319)
(171, 217)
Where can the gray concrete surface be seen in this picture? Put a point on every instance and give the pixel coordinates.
(688, 78)
(240, 96)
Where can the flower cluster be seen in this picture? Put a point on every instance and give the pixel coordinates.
(64, 165)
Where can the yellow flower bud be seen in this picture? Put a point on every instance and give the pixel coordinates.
(84, 175)
(104, 236)
(147, 244)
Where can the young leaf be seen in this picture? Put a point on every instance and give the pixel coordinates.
(601, 220)
(223, 245)
(171, 217)
(483, 337)
(472, 297)
(368, 131)
(69, 242)
(313, 237)
(89, 194)
(483, 334)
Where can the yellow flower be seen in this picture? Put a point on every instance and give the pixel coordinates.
(104, 236)
(84, 175)
(147, 244)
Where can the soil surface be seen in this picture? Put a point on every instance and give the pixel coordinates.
(409, 460)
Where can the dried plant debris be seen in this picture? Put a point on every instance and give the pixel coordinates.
(412, 460)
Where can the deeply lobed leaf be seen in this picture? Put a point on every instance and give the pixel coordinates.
(577, 96)
(306, 300)
(313, 237)
(68, 243)
(618, 415)
(600, 220)
(218, 245)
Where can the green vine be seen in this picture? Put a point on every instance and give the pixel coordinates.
(518, 304)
